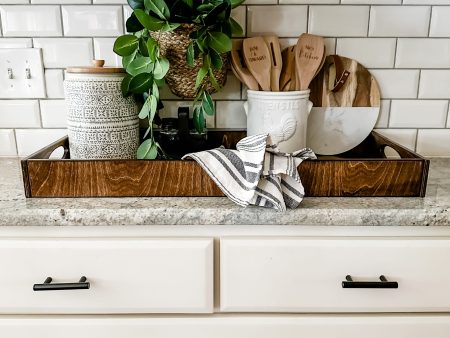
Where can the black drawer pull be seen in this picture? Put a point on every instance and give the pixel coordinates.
(349, 283)
(48, 286)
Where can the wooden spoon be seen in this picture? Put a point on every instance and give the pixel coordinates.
(258, 60)
(236, 74)
(288, 70)
(323, 62)
(241, 71)
(308, 58)
(277, 62)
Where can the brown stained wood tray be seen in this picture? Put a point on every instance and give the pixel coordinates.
(362, 172)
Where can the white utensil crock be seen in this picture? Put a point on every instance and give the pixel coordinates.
(284, 115)
(102, 124)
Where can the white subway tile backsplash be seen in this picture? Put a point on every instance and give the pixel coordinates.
(330, 44)
(53, 113)
(399, 21)
(7, 143)
(14, 2)
(16, 43)
(345, 21)
(65, 52)
(440, 23)
(284, 21)
(397, 83)
(423, 53)
(30, 21)
(239, 14)
(434, 84)
(372, 53)
(261, 2)
(383, 117)
(101, 2)
(103, 50)
(309, 2)
(434, 142)
(418, 113)
(405, 137)
(61, 2)
(371, 2)
(390, 37)
(426, 2)
(92, 20)
(230, 114)
(19, 113)
(54, 83)
(127, 10)
(32, 140)
(231, 90)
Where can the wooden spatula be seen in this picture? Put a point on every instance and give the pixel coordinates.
(277, 62)
(308, 58)
(286, 81)
(241, 71)
(258, 60)
(323, 61)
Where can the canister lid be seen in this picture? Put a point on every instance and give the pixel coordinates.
(96, 69)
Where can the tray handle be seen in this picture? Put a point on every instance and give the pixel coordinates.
(47, 151)
(383, 142)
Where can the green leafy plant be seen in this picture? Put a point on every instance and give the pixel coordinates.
(146, 67)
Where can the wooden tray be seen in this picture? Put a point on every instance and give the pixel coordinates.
(363, 171)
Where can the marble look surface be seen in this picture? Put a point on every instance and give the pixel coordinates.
(334, 130)
(15, 209)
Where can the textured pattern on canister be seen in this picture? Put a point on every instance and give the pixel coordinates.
(102, 124)
(181, 77)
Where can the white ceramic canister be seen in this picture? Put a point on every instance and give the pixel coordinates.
(284, 115)
(102, 124)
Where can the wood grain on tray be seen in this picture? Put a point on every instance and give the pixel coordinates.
(362, 172)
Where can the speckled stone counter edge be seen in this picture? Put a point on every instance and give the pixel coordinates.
(15, 209)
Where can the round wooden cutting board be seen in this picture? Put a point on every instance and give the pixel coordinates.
(346, 100)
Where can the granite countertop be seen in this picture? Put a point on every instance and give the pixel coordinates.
(15, 209)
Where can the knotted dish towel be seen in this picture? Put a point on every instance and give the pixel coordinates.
(257, 173)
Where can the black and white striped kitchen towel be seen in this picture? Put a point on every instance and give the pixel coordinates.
(257, 173)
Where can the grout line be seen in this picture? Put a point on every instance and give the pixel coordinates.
(416, 139)
(389, 114)
(15, 142)
(418, 83)
(40, 113)
(124, 21)
(395, 53)
(308, 13)
(447, 117)
(429, 22)
(62, 21)
(423, 38)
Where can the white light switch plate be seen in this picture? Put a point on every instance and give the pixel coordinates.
(25, 67)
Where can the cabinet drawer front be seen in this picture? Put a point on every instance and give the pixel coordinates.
(305, 275)
(125, 276)
(226, 327)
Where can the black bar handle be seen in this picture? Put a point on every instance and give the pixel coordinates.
(349, 283)
(48, 286)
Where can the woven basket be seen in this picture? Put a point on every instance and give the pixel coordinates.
(181, 77)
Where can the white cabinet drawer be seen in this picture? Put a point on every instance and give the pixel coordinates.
(125, 275)
(305, 275)
(230, 327)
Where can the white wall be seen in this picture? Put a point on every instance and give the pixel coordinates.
(406, 43)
